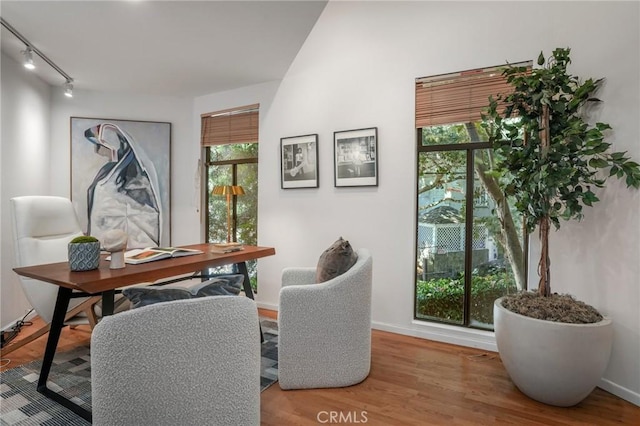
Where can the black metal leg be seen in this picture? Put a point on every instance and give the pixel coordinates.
(60, 311)
(248, 291)
(108, 298)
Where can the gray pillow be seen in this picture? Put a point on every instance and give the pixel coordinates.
(336, 260)
(227, 285)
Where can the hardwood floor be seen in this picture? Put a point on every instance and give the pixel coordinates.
(412, 382)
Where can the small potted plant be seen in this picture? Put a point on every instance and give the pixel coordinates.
(84, 253)
(550, 158)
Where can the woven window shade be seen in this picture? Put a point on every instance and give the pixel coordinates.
(237, 125)
(458, 97)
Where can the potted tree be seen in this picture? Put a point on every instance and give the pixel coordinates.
(549, 158)
(84, 253)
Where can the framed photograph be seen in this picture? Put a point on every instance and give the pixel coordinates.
(356, 157)
(120, 178)
(299, 162)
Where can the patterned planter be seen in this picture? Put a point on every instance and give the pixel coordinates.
(84, 256)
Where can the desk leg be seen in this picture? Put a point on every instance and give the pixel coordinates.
(242, 268)
(60, 311)
(108, 298)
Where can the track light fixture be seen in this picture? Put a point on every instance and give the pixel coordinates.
(68, 89)
(28, 58)
(30, 49)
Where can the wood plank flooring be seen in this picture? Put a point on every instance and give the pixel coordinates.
(412, 382)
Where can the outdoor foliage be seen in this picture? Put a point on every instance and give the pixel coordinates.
(442, 298)
(551, 159)
(438, 169)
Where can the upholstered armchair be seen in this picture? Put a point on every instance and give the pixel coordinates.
(325, 328)
(183, 362)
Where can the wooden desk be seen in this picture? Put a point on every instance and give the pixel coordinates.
(105, 281)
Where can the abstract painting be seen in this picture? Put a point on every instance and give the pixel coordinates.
(120, 178)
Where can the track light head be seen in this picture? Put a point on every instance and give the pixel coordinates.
(28, 58)
(68, 89)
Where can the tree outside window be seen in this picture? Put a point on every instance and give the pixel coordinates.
(470, 246)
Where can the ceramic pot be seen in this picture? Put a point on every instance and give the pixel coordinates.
(84, 256)
(554, 363)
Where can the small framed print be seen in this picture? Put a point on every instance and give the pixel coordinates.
(299, 162)
(356, 157)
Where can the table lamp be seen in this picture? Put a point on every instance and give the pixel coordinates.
(228, 190)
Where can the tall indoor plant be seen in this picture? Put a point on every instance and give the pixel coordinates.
(550, 158)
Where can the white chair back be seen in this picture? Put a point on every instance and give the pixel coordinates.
(42, 229)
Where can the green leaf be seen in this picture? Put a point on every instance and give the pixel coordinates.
(598, 163)
(613, 171)
(618, 155)
(541, 58)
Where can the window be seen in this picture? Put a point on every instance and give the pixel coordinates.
(230, 144)
(470, 244)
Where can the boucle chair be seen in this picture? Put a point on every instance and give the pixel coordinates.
(325, 329)
(183, 362)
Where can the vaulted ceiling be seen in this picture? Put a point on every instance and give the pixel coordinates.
(173, 48)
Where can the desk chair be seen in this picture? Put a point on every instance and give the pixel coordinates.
(42, 228)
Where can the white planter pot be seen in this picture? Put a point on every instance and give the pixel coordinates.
(551, 362)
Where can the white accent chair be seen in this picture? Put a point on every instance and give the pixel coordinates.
(183, 362)
(42, 229)
(325, 329)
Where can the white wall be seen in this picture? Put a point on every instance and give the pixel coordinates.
(357, 69)
(25, 167)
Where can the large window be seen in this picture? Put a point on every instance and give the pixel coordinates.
(470, 247)
(230, 143)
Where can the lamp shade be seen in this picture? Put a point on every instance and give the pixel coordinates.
(227, 190)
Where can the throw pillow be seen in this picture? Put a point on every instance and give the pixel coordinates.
(335, 261)
(227, 285)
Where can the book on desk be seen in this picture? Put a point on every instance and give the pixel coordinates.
(150, 254)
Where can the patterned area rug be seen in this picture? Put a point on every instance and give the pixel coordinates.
(22, 405)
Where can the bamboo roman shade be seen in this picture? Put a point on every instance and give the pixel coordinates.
(236, 125)
(458, 97)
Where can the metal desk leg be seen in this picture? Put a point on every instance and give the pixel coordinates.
(60, 311)
(248, 291)
(108, 298)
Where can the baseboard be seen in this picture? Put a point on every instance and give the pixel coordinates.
(269, 306)
(620, 391)
(473, 338)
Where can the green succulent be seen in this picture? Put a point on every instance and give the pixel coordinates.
(84, 239)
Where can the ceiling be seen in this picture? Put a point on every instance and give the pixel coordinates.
(172, 48)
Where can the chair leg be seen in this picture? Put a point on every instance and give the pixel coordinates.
(87, 308)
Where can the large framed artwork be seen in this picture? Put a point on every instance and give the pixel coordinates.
(356, 157)
(120, 178)
(299, 162)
